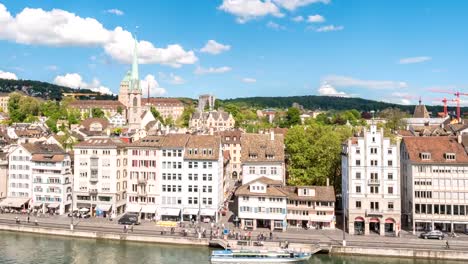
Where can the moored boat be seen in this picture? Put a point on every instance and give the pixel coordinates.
(258, 256)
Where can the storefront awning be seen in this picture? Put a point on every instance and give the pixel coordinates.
(208, 212)
(169, 211)
(190, 211)
(359, 219)
(374, 220)
(53, 205)
(133, 208)
(389, 221)
(15, 202)
(104, 207)
(148, 209)
(37, 204)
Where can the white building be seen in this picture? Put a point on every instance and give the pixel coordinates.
(100, 176)
(39, 177)
(434, 172)
(262, 203)
(371, 183)
(262, 156)
(117, 120)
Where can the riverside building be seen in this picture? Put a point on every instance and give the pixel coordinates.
(371, 183)
(434, 173)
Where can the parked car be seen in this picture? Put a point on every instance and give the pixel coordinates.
(436, 234)
(129, 219)
(75, 213)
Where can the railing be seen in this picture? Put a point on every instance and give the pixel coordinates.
(374, 182)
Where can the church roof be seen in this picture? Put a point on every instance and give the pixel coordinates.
(420, 111)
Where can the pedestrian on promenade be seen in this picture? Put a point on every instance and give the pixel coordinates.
(131, 228)
(35, 222)
(447, 246)
(28, 218)
(125, 229)
(271, 235)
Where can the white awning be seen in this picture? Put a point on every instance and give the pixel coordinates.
(103, 207)
(14, 202)
(53, 205)
(133, 208)
(190, 211)
(37, 204)
(169, 211)
(208, 212)
(148, 209)
(84, 210)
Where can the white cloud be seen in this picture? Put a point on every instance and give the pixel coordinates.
(246, 10)
(298, 19)
(115, 11)
(155, 89)
(405, 101)
(214, 47)
(275, 26)
(294, 4)
(8, 75)
(75, 81)
(345, 81)
(315, 19)
(414, 60)
(35, 26)
(171, 78)
(249, 80)
(328, 90)
(329, 28)
(201, 70)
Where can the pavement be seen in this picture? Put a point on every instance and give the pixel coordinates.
(293, 235)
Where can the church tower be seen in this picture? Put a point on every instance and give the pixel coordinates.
(134, 93)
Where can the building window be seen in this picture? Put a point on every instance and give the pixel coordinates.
(358, 162)
(374, 189)
(390, 163)
(263, 170)
(374, 163)
(252, 170)
(390, 176)
(425, 156)
(390, 151)
(273, 171)
(373, 150)
(358, 175)
(358, 189)
(450, 156)
(390, 189)
(390, 206)
(358, 204)
(374, 206)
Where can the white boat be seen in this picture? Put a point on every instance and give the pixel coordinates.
(258, 256)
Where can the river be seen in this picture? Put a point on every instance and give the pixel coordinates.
(40, 249)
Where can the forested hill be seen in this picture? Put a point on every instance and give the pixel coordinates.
(324, 103)
(44, 90)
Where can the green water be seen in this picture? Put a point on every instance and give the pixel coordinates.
(26, 248)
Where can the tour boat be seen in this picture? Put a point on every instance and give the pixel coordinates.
(258, 256)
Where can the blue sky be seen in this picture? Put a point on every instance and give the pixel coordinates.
(386, 50)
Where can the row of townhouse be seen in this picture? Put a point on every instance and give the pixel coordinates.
(265, 201)
(414, 183)
(39, 178)
(172, 177)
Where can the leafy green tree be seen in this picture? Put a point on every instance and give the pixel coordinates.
(184, 119)
(169, 121)
(156, 114)
(21, 107)
(394, 117)
(293, 117)
(314, 154)
(119, 109)
(98, 113)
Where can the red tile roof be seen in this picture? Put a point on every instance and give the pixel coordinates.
(437, 147)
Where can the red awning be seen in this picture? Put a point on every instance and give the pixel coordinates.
(389, 221)
(359, 219)
(374, 220)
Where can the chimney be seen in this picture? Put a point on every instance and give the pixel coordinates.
(459, 138)
(272, 135)
(328, 181)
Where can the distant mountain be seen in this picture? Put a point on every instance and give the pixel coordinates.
(325, 103)
(44, 90)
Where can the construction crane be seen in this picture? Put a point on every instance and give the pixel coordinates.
(445, 100)
(457, 99)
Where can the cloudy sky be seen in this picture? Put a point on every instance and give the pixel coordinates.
(393, 51)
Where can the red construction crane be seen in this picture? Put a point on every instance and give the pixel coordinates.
(445, 100)
(457, 99)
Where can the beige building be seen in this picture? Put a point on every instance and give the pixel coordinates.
(4, 97)
(109, 107)
(167, 107)
(211, 121)
(3, 175)
(231, 142)
(434, 173)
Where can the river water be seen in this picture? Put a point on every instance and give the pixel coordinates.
(27, 248)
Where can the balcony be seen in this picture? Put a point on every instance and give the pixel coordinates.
(374, 182)
(93, 191)
(93, 179)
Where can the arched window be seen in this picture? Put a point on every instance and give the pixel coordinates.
(135, 102)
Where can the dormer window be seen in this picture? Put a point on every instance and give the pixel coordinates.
(228, 138)
(269, 156)
(210, 151)
(425, 155)
(252, 156)
(195, 151)
(449, 156)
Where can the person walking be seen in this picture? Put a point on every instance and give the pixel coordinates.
(131, 228)
(447, 246)
(271, 235)
(125, 229)
(28, 218)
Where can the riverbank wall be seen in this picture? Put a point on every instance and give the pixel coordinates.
(401, 253)
(105, 235)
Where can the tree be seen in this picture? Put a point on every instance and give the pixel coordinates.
(169, 121)
(314, 154)
(394, 117)
(156, 115)
(186, 115)
(21, 107)
(98, 113)
(119, 109)
(293, 117)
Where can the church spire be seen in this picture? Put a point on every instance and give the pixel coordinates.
(135, 61)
